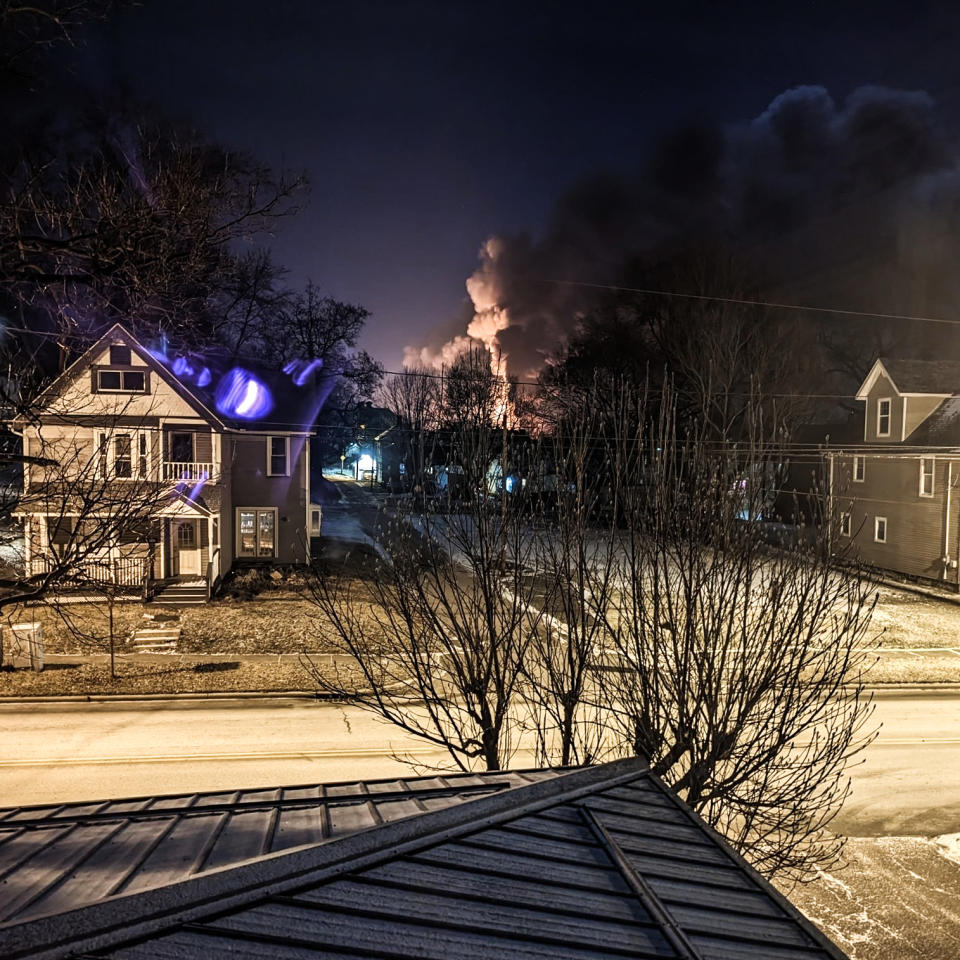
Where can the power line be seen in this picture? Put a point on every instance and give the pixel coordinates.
(749, 303)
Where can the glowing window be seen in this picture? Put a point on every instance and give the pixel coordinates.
(256, 532)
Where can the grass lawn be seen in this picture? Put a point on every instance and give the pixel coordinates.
(276, 619)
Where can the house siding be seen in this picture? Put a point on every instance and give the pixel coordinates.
(251, 487)
(916, 525)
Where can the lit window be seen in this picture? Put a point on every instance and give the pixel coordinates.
(844, 524)
(256, 532)
(883, 418)
(880, 529)
(926, 476)
(277, 460)
(859, 469)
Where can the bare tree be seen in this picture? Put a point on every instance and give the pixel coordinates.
(413, 397)
(740, 672)
(573, 520)
(441, 631)
(630, 600)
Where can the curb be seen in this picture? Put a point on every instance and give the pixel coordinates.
(920, 591)
(318, 696)
(185, 697)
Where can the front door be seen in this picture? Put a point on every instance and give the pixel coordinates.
(188, 548)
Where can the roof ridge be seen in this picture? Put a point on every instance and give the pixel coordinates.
(126, 916)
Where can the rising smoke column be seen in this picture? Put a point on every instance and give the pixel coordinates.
(853, 205)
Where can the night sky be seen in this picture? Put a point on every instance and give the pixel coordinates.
(424, 128)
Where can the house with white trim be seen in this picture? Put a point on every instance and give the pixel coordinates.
(216, 453)
(893, 496)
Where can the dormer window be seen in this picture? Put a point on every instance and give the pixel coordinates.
(121, 381)
(883, 417)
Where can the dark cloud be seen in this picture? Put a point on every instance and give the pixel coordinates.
(853, 204)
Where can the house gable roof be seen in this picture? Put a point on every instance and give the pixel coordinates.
(600, 861)
(932, 378)
(119, 334)
(294, 408)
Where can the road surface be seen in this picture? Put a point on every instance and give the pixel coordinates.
(908, 784)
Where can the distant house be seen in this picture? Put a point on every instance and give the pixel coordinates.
(562, 864)
(220, 451)
(893, 494)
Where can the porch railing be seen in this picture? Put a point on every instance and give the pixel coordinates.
(124, 571)
(177, 470)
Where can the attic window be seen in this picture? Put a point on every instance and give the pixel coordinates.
(883, 418)
(119, 355)
(121, 381)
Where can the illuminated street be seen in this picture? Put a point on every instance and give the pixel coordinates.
(909, 784)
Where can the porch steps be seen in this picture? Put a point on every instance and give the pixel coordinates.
(188, 594)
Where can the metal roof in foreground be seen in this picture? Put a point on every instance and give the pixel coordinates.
(596, 862)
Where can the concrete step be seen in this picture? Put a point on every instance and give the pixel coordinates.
(155, 639)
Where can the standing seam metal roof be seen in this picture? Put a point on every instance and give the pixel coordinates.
(599, 862)
(62, 856)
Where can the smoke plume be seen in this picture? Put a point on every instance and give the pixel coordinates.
(854, 205)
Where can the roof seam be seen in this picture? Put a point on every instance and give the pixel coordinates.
(650, 901)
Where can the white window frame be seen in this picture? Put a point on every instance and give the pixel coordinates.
(862, 463)
(286, 456)
(932, 475)
(889, 402)
(256, 523)
(137, 438)
(121, 389)
(876, 529)
(845, 524)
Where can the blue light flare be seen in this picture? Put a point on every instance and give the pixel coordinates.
(241, 394)
(299, 370)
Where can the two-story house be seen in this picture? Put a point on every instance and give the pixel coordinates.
(894, 498)
(208, 460)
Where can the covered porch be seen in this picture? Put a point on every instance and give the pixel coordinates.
(189, 543)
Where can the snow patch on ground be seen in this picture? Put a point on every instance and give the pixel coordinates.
(948, 845)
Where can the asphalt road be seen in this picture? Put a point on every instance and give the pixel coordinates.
(908, 784)
(909, 781)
